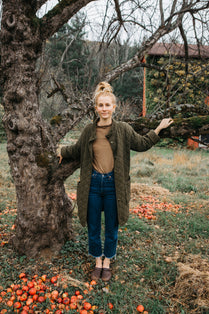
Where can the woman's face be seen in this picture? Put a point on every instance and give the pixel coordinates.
(105, 107)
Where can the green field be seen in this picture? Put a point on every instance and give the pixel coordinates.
(162, 260)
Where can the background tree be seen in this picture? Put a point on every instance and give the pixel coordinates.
(44, 211)
(78, 64)
(65, 59)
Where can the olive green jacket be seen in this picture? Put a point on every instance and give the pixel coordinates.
(122, 139)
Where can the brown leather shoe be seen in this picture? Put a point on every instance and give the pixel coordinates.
(106, 274)
(96, 273)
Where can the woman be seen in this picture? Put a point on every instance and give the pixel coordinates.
(104, 153)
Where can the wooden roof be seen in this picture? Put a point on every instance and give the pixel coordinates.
(161, 49)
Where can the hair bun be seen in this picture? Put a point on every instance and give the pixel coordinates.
(104, 88)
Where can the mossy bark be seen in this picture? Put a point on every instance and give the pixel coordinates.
(182, 127)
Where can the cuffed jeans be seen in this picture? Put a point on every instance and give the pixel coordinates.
(102, 197)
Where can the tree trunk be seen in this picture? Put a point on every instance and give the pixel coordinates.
(44, 211)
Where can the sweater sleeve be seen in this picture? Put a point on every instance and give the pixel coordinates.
(141, 143)
(71, 152)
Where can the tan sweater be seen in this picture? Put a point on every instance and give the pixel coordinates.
(103, 160)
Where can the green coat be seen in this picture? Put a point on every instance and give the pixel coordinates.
(122, 139)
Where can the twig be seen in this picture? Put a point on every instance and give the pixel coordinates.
(60, 89)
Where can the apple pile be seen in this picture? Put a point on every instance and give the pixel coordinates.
(42, 293)
(151, 205)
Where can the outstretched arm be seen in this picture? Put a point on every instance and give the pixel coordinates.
(163, 125)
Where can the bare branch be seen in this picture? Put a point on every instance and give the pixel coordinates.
(112, 31)
(66, 50)
(173, 7)
(59, 88)
(59, 15)
(167, 28)
(105, 16)
(137, 59)
(161, 12)
(181, 29)
(195, 32)
(68, 122)
(117, 8)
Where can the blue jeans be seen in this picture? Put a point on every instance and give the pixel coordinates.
(102, 197)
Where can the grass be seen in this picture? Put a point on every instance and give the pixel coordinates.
(146, 267)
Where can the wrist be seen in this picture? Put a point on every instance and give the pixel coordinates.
(157, 130)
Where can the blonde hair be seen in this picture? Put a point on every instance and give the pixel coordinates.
(103, 89)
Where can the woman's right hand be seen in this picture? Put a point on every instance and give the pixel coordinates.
(163, 125)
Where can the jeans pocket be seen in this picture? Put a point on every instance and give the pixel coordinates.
(111, 178)
(94, 180)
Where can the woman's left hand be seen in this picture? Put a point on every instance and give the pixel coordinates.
(60, 158)
(163, 125)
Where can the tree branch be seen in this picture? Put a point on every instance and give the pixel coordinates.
(66, 121)
(137, 59)
(182, 127)
(117, 8)
(173, 7)
(59, 88)
(195, 32)
(59, 15)
(161, 12)
(186, 48)
(162, 30)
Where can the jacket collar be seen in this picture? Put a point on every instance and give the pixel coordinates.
(112, 129)
(94, 126)
(93, 132)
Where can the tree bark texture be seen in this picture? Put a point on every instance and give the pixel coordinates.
(44, 211)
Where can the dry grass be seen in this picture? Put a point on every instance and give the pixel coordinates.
(178, 170)
(139, 190)
(192, 283)
(179, 158)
